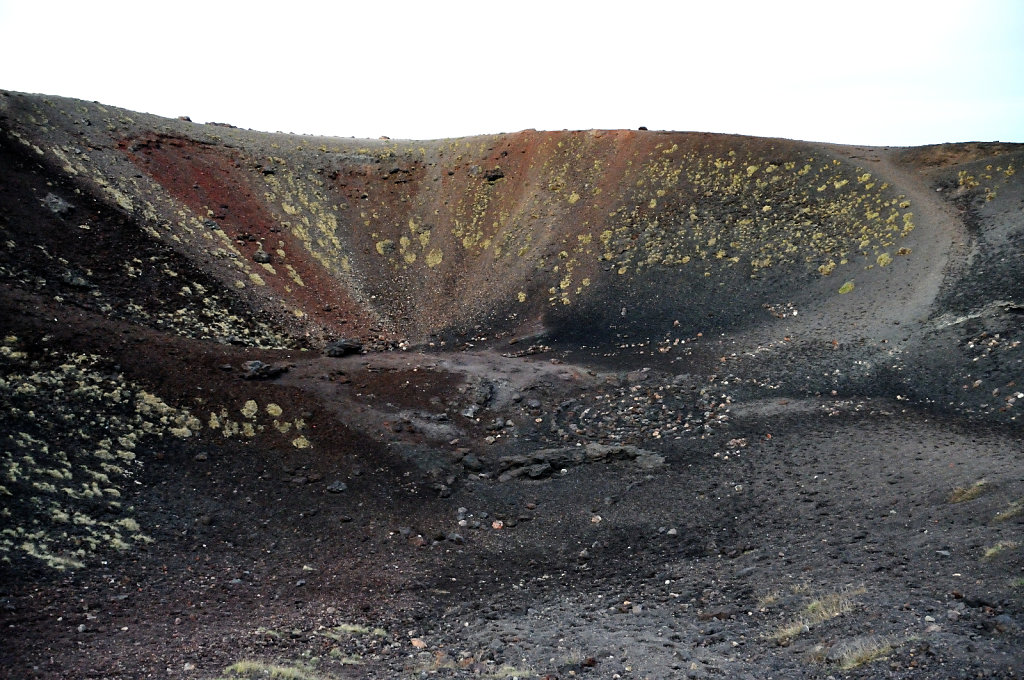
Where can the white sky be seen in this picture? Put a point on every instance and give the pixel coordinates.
(866, 72)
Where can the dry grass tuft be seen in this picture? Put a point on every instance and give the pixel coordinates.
(817, 611)
(441, 661)
(1012, 510)
(768, 599)
(259, 669)
(830, 606)
(963, 494)
(785, 633)
(1001, 546)
(863, 650)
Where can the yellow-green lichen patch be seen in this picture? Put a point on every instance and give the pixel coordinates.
(250, 409)
(434, 257)
(846, 288)
(726, 210)
(69, 453)
(983, 183)
(314, 220)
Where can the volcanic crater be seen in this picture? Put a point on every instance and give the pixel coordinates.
(614, 404)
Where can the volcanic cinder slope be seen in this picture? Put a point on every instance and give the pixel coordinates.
(628, 403)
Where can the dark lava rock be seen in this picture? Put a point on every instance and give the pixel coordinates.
(483, 393)
(544, 462)
(257, 370)
(56, 204)
(472, 463)
(76, 280)
(343, 347)
(261, 256)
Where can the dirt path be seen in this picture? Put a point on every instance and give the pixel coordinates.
(939, 242)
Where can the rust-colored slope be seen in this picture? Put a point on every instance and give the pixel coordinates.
(216, 184)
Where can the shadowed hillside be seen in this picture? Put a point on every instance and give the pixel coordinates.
(255, 342)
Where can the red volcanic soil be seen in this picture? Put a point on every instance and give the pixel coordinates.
(211, 181)
(624, 404)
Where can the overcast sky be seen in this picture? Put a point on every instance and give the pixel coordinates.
(866, 72)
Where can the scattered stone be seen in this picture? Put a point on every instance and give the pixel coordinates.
(261, 256)
(337, 487)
